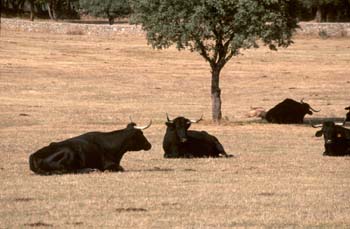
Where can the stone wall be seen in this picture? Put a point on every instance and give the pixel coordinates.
(306, 28)
(67, 28)
(324, 29)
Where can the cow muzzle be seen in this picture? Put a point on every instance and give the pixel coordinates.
(147, 147)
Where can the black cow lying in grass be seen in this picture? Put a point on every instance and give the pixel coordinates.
(289, 111)
(93, 150)
(179, 142)
(337, 139)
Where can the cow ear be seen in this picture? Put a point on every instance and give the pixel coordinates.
(318, 133)
(169, 124)
(131, 125)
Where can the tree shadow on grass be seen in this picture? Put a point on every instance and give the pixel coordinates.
(92, 171)
(130, 209)
(38, 224)
(155, 169)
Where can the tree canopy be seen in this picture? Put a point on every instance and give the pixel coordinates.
(217, 29)
(110, 9)
(321, 10)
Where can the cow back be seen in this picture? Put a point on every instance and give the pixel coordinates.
(200, 144)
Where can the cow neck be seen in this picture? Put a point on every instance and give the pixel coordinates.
(117, 141)
(170, 131)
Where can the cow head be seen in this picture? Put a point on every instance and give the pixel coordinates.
(307, 108)
(330, 132)
(347, 117)
(137, 140)
(180, 125)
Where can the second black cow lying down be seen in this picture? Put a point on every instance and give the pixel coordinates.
(289, 111)
(93, 150)
(337, 139)
(179, 142)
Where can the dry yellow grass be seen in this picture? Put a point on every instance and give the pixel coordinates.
(70, 84)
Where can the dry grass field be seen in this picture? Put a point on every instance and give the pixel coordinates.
(53, 87)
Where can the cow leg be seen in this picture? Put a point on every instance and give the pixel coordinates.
(347, 152)
(172, 154)
(60, 161)
(115, 168)
(120, 168)
(220, 149)
(325, 153)
(112, 166)
(188, 155)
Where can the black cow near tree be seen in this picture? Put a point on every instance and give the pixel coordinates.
(93, 150)
(179, 142)
(289, 111)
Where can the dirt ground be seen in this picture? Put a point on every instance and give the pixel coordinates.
(53, 87)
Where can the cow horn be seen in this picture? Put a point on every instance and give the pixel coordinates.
(302, 100)
(196, 120)
(317, 126)
(256, 108)
(144, 127)
(314, 109)
(168, 119)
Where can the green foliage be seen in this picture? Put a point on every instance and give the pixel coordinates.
(328, 10)
(315, 3)
(217, 29)
(106, 8)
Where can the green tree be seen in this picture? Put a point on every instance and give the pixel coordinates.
(216, 29)
(55, 8)
(110, 9)
(329, 10)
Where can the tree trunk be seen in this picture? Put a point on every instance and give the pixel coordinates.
(111, 20)
(15, 6)
(32, 10)
(318, 17)
(216, 95)
(21, 5)
(49, 10)
(53, 8)
(4, 5)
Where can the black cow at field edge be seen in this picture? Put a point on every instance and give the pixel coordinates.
(337, 139)
(347, 119)
(179, 142)
(289, 111)
(93, 150)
